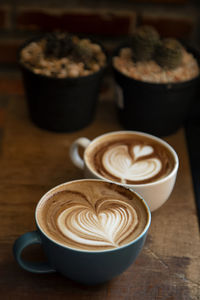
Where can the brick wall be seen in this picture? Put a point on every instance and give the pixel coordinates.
(110, 21)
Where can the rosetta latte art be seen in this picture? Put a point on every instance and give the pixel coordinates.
(108, 225)
(135, 163)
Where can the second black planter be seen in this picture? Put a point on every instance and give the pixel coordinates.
(158, 109)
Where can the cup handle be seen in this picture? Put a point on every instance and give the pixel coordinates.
(74, 153)
(20, 244)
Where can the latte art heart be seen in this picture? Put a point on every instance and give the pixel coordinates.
(111, 223)
(140, 151)
(93, 215)
(134, 165)
(129, 158)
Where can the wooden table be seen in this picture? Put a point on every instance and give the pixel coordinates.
(33, 160)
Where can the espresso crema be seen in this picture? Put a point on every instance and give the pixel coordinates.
(130, 158)
(92, 215)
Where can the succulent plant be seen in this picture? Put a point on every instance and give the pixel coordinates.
(144, 41)
(58, 45)
(169, 53)
(82, 52)
(62, 45)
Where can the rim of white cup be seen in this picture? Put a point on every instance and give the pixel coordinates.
(153, 137)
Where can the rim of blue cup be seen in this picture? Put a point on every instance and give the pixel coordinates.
(94, 251)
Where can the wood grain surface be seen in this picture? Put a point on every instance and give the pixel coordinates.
(33, 160)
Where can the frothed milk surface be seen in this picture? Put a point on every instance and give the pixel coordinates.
(92, 215)
(130, 158)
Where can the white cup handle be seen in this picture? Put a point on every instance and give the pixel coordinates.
(74, 153)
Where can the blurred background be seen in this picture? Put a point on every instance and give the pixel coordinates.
(110, 21)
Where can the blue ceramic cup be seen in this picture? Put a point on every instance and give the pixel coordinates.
(84, 266)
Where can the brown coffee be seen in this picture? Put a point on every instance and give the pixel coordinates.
(129, 158)
(92, 215)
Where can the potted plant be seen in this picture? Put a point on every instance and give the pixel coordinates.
(156, 82)
(62, 74)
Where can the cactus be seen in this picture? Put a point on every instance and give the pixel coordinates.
(62, 45)
(58, 45)
(144, 41)
(83, 52)
(168, 53)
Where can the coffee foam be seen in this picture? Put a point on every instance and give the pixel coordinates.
(92, 215)
(130, 159)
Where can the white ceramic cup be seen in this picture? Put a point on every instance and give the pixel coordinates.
(155, 193)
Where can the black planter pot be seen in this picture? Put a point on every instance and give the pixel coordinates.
(158, 109)
(61, 104)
